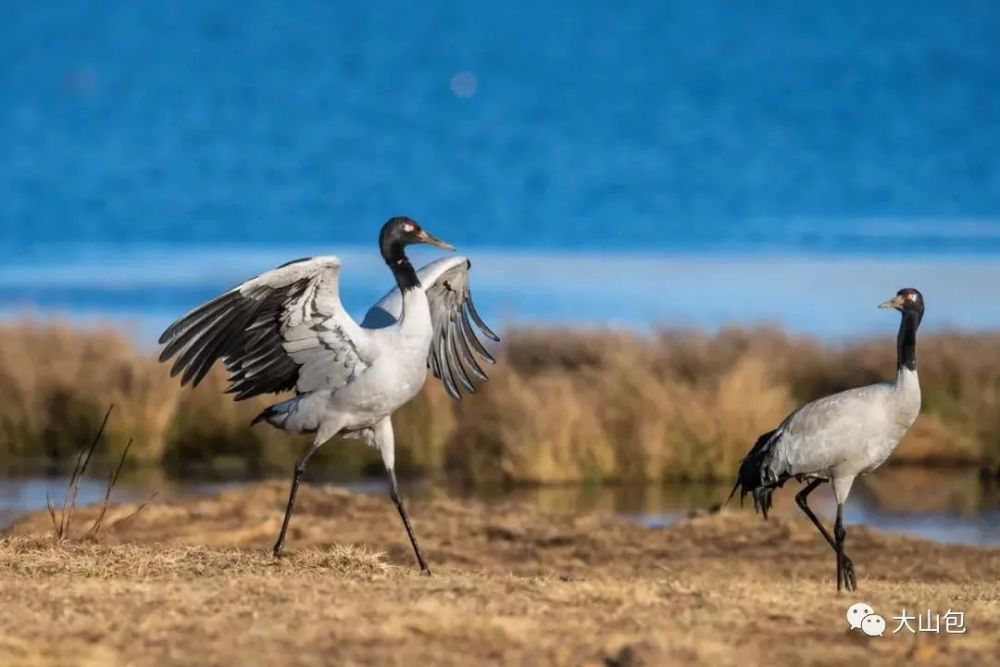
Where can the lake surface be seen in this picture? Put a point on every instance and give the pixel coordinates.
(654, 125)
(942, 505)
(659, 162)
(142, 291)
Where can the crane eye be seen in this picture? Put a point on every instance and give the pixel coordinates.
(407, 227)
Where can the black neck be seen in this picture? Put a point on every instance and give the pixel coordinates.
(399, 263)
(906, 341)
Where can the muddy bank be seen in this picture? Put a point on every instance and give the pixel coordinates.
(192, 582)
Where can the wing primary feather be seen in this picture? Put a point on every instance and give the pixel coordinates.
(196, 315)
(222, 334)
(449, 381)
(257, 355)
(477, 345)
(263, 362)
(202, 333)
(455, 362)
(479, 321)
(435, 363)
(466, 353)
(193, 325)
(262, 365)
(259, 371)
(202, 348)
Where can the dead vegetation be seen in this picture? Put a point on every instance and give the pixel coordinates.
(62, 516)
(192, 582)
(561, 405)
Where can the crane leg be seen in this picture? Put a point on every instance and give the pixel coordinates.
(300, 467)
(801, 499)
(398, 502)
(839, 535)
(385, 442)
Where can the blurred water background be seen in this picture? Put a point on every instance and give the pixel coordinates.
(942, 505)
(658, 163)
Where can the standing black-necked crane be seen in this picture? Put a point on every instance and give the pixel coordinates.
(836, 438)
(286, 329)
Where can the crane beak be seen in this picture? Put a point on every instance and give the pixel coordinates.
(433, 240)
(894, 302)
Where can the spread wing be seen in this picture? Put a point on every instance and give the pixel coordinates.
(456, 349)
(285, 329)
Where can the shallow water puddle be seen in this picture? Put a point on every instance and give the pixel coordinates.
(943, 505)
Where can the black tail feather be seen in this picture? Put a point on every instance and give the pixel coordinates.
(751, 476)
(265, 415)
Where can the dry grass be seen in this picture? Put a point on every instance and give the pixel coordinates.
(192, 583)
(561, 406)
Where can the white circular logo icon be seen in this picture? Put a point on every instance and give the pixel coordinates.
(873, 625)
(857, 612)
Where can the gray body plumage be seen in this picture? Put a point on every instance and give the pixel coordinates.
(836, 438)
(842, 436)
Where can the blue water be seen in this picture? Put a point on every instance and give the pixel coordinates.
(176, 138)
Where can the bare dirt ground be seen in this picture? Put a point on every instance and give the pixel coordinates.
(192, 582)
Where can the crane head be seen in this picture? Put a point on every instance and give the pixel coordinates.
(402, 231)
(907, 299)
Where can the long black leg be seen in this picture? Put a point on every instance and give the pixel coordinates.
(300, 468)
(398, 501)
(801, 500)
(839, 535)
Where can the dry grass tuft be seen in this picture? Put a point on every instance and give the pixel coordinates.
(561, 406)
(32, 556)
